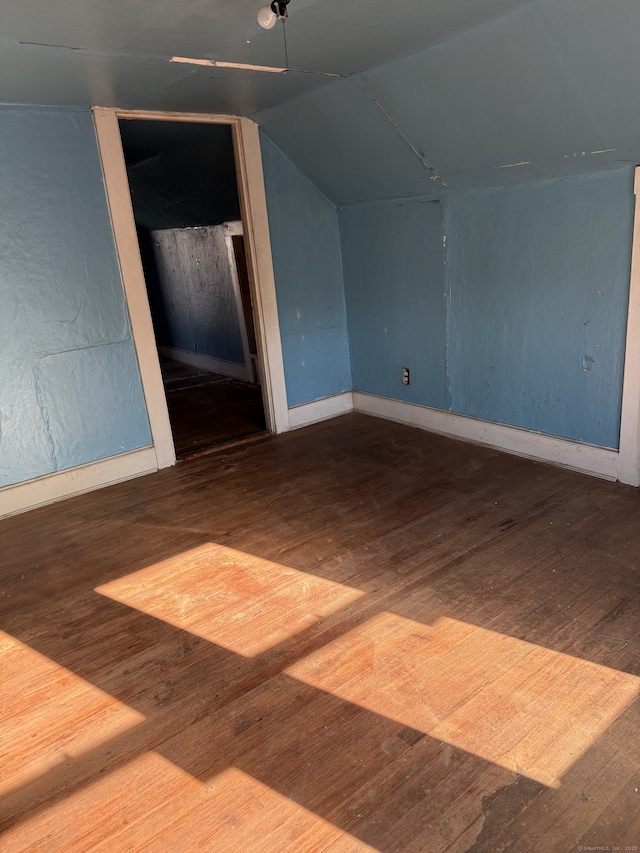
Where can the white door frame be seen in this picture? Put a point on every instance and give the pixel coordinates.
(231, 230)
(253, 207)
(629, 449)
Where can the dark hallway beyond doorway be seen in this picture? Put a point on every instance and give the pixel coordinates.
(207, 409)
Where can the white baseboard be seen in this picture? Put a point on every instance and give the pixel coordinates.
(585, 458)
(320, 410)
(206, 362)
(75, 481)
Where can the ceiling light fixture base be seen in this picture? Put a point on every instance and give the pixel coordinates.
(268, 16)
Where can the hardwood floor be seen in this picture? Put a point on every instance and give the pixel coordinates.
(207, 409)
(352, 637)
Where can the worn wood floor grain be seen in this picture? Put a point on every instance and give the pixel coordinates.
(207, 409)
(353, 637)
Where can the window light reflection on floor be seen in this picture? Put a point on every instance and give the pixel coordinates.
(233, 812)
(231, 598)
(48, 715)
(524, 707)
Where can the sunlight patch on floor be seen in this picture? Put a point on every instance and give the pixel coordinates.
(167, 809)
(48, 714)
(236, 812)
(233, 599)
(524, 707)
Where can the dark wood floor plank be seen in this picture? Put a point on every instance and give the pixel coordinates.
(353, 637)
(207, 409)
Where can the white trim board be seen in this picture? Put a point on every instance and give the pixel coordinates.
(75, 481)
(585, 458)
(253, 204)
(257, 244)
(123, 223)
(629, 469)
(320, 410)
(248, 160)
(206, 362)
(231, 230)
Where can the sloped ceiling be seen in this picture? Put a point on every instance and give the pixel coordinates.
(117, 53)
(437, 96)
(547, 91)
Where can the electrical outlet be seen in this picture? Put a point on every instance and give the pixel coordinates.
(405, 376)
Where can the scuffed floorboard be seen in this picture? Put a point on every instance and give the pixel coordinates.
(352, 637)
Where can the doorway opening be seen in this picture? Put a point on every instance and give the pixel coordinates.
(186, 205)
(254, 216)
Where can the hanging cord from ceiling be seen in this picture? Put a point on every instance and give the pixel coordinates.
(284, 36)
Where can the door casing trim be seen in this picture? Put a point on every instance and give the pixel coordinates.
(253, 207)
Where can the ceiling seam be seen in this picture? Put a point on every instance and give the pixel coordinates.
(432, 172)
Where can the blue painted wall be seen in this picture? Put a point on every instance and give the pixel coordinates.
(305, 243)
(539, 279)
(537, 273)
(393, 266)
(70, 390)
(524, 324)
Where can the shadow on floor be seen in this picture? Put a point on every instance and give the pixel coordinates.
(207, 409)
